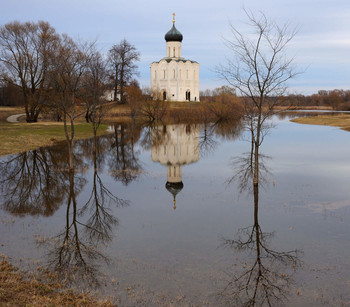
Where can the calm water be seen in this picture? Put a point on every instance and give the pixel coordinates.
(162, 215)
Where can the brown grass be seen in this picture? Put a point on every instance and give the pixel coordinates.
(19, 289)
(342, 120)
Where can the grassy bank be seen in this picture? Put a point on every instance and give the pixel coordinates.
(19, 137)
(342, 121)
(20, 289)
(22, 136)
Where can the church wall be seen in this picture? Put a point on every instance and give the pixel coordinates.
(176, 78)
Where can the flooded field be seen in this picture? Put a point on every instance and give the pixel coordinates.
(170, 214)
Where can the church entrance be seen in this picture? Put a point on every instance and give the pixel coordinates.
(188, 95)
(164, 95)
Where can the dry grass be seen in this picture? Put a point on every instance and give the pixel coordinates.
(117, 111)
(19, 289)
(342, 120)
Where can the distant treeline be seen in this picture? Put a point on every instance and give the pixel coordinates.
(336, 99)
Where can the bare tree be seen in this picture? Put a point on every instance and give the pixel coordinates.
(95, 84)
(69, 65)
(259, 72)
(267, 274)
(25, 50)
(122, 58)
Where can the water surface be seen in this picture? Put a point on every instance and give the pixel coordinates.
(156, 214)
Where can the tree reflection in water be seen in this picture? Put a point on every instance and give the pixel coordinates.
(77, 251)
(123, 161)
(210, 132)
(38, 182)
(100, 224)
(266, 274)
(33, 182)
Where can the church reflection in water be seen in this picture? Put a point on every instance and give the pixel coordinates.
(174, 146)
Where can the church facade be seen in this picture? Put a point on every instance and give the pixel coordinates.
(175, 78)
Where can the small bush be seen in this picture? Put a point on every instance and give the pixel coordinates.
(226, 107)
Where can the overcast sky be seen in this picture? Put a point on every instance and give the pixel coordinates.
(322, 45)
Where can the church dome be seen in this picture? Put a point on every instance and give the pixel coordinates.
(174, 188)
(173, 35)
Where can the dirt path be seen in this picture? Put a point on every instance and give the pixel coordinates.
(14, 118)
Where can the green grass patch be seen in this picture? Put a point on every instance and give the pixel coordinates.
(19, 137)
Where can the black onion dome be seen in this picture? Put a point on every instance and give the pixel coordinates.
(174, 187)
(173, 35)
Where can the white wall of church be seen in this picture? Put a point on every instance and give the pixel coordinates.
(176, 77)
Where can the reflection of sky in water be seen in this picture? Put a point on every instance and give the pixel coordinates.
(176, 251)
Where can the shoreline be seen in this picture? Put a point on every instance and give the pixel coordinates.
(16, 137)
(341, 121)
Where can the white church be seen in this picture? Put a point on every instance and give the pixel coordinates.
(175, 78)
